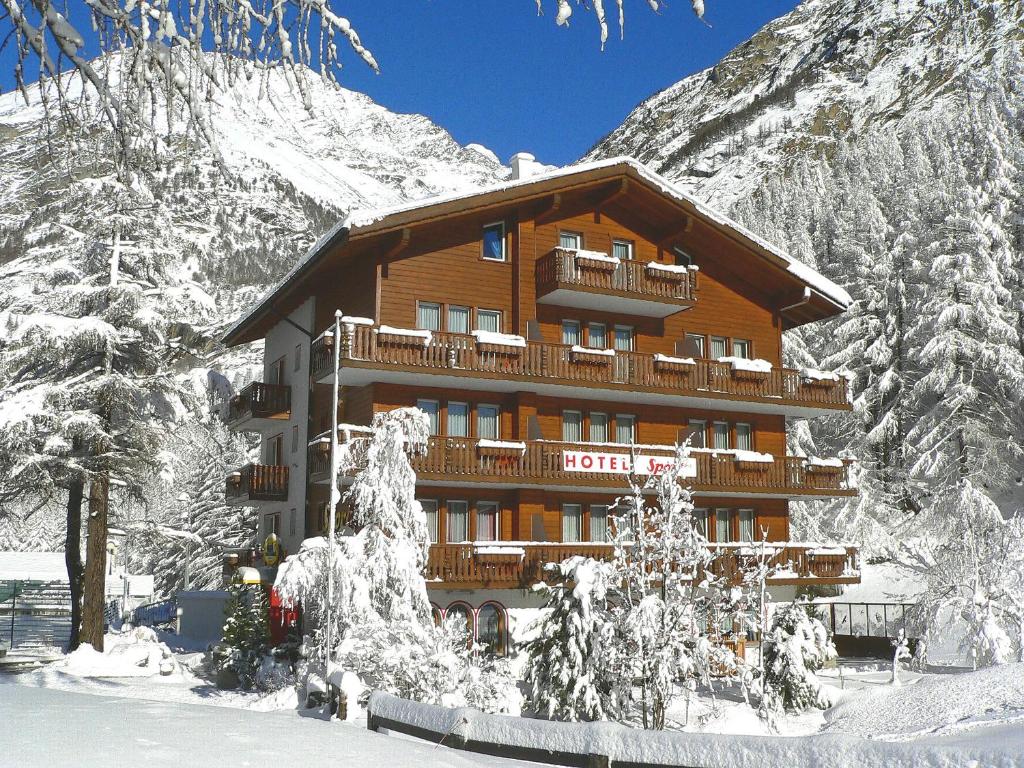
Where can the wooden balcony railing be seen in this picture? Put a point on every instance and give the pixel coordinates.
(257, 483)
(260, 401)
(571, 269)
(461, 354)
(521, 564)
(542, 462)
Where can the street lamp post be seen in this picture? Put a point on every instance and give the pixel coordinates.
(183, 499)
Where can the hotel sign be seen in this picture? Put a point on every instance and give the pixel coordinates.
(622, 463)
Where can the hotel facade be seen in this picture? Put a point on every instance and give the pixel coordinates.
(553, 328)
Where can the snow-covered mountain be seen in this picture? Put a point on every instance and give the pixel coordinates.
(881, 141)
(829, 70)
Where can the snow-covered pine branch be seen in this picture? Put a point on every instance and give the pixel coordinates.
(564, 12)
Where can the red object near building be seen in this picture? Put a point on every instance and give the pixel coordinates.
(283, 617)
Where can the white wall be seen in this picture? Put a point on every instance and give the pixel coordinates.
(281, 341)
(201, 615)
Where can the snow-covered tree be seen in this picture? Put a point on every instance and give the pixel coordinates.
(246, 635)
(796, 646)
(568, 672)
(975, 576)
(669, 599)
(382, 627)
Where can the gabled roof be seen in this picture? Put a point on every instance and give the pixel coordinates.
(366, 223)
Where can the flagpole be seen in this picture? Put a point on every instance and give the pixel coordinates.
(335, 496)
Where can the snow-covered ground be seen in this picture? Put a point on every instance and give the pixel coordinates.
(42, 728)
(150, 705)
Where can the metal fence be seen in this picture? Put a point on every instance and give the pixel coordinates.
(151, 614)
(35, 615)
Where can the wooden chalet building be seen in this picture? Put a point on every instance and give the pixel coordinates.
(545, 325)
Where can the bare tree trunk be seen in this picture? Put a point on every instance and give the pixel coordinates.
(73, 558)
(95, 564)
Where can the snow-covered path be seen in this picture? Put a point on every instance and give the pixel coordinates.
(45, 728)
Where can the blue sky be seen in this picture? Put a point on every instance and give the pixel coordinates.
(493, 72)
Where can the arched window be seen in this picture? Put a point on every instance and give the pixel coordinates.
(463, 615)
(491, 628)
(435, 614)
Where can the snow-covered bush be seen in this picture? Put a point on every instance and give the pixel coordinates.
(567, 673)
(796, 646)
(246, 634)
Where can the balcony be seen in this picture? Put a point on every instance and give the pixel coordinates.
(461, 360)
(256, 484)
(259, 405)
(518, 564)
(592, 280)
(599, 467)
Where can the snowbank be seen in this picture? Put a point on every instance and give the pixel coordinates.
(827, 750)
(137, 653)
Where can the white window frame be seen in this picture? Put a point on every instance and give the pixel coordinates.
(747, 352)
(504, 238)
(431, 532)
(448, 418)
(448, 519)
(580, 422)
(579, 512)
(714, 436)
(632, 337)
(590, 334)
(590, 427)
(579, 331)
(456, 308)
(632, 418)
(497, 313)
(629, 247)
(577, 235)
(691, 424)
(440, 314)
(728, 522)
(436, 426)
(753, 526)
(725, 346)
(607, 515)
(749, 428)
(497, 420)
(497, 520)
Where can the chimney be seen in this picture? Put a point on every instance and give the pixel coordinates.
(524, 165)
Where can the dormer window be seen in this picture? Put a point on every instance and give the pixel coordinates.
(494, 242)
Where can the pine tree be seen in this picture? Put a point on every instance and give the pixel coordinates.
(796, 646)
(246, 635)
(568, 673)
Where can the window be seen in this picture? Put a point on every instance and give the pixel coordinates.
(570, 332)
(746, 525)
(722, 530)
(293, 522)
(719, 346)
(598, 522)
(458, 420)
(624, 338)
(487, 521)
(275, 372)
(597, 335)
(428, 316)
(625, 429)
(572, 522)
(487, 422)
(700, 520)
(741, 348)
(458, 521)
(295, 439)
(488, 320)
(490, 625)
(598, 427)
(572, 426)
(744, 437)
(297, 362)
(272, 523)
(694, 345)
(458, 319)
(683, 259)
(698, 438)
(570, 240)
(622, 249)
(721, 436)
(433, 410)
(275, 450)
(430, 510)
(494, 242)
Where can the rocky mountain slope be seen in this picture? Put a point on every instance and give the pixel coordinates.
(828, 70)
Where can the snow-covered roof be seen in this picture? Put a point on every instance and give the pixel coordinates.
(359, 221)
(33, 566)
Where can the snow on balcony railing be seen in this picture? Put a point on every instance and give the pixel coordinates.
(499, 339)
(757, 365)
(413, 334)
